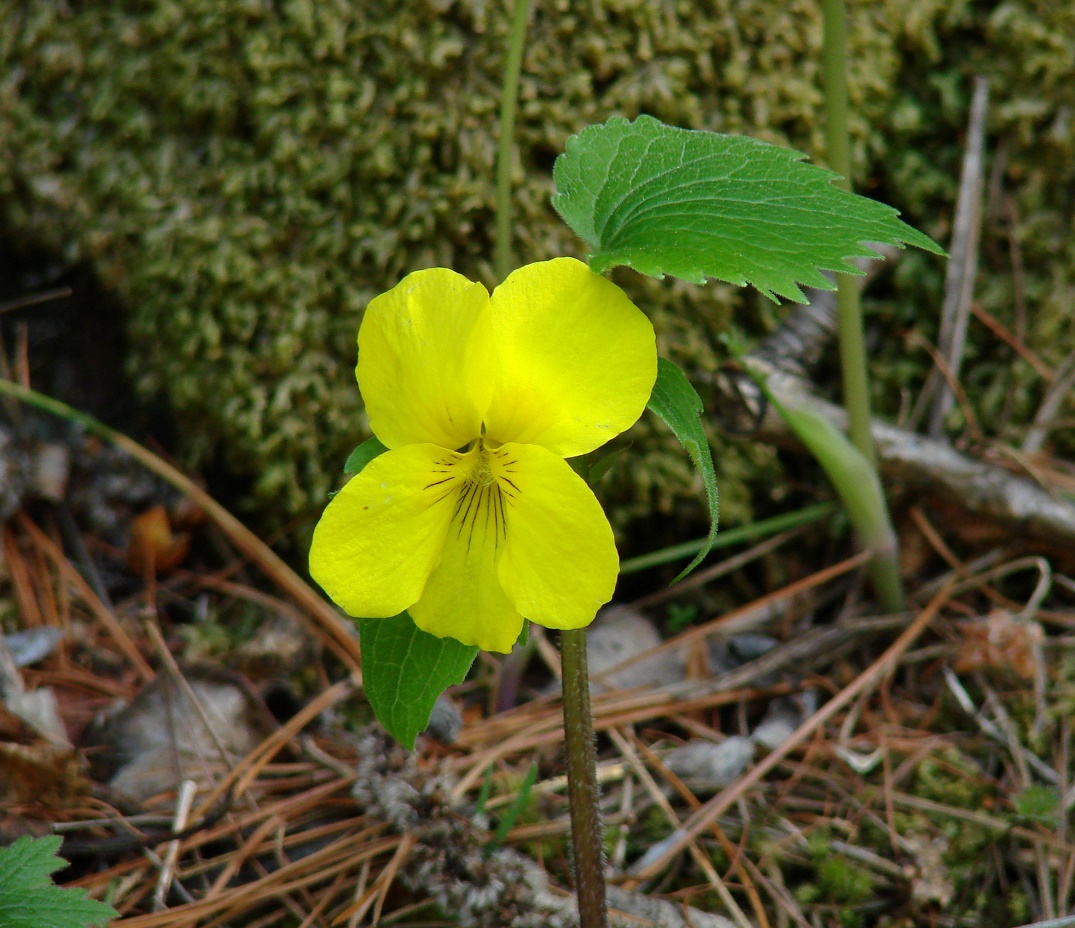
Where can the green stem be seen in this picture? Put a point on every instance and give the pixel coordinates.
(884, 566)
(834, 75)
(886, 581)
(848, 308)
(512, 666)
(856, 380)
(506, 145)
(582, 790)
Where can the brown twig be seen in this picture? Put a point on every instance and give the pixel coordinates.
(963, 265)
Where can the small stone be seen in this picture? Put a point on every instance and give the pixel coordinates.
(781, 720)
(619, 634)
(708, 765)
(51, 471)
(750, 646)
(34, 644)
(446, 721)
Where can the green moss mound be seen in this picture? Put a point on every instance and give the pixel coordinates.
(247, 175)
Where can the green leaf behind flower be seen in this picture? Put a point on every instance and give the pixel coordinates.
(28, 897)
(362, 455)
(696, 205)
(405, 669)
(678, 405)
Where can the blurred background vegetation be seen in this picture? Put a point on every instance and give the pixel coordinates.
(228, 184)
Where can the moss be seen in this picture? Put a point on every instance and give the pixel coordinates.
(837, 880)
(1039, 804)
(950, 778)
(246, 176)
(841, 881)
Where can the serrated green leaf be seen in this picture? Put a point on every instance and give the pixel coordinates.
(29, 898)
(678, 405)
(405, 669)
(362, 455)
(697, 205)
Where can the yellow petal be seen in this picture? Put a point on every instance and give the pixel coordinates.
(424, 360)
(382, 534)
(576, 359)
(559, 564)
(463, 598)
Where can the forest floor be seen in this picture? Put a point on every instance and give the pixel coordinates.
(188, 714)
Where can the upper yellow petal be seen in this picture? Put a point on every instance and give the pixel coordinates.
(424, 359)
(559, 563)
(382, 534)
(576, 359)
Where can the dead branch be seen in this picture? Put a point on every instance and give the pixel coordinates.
(918, 463)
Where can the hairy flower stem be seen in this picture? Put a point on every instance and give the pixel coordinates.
(884, 566)
(506, 146)
(582, 790)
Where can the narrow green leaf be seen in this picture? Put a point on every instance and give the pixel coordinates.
(596, 465)
(485, 791)
(852, 475)
(509, 818)
(678, 405)
(860, 490)
(405, 669)
(731, 536)
(700, 204)
(28, 897)
(362, 455)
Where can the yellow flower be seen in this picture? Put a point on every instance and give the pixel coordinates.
(473, 519)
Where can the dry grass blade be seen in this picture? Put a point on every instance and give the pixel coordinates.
(72, 577)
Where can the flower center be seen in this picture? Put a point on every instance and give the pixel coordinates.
(482, 488)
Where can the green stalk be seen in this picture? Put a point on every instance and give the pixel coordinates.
(863, 497)
(884, 565)
(502, 263)
(848, 308)
(852, 345)
(582, 791)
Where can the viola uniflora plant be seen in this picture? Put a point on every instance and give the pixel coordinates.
(472, 520)
(463, 519)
